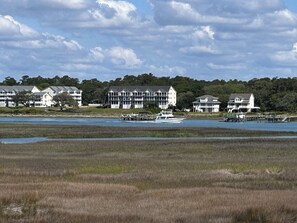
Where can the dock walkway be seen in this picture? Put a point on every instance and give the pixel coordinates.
(259, 118)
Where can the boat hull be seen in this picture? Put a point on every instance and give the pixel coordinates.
(170, 120)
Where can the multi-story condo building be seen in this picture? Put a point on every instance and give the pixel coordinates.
(7, 92)
(72, 91)
(127, 97)
(241, 102)
(206, 103)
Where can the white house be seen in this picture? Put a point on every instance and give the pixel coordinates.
(241, 102)
(206, 103)
(72, 91)
(7, 92)
(127, 97)
(42, 99)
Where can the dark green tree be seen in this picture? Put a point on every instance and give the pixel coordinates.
(93, 90)
(263, 90)
(62, 100)
(22, 97)
(185, 100)
(25, 80)
(288, 102)
(9, 81)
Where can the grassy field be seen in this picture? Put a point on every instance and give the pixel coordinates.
(8, 130)
(182, 180)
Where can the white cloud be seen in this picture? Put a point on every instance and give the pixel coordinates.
(226, 67)
(184, 10)
(124, 57)
(45, 41)
(45, 4)
(286, 58)
(194, 36)
(205, 32)
(69, 4)
(199, 50)
(167, 70)
(97, 54)
(9, 27)
(112, 14)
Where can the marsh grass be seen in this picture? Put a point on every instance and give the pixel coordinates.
(262, 215)
(185, 180)
(64, 131)
(102, 169)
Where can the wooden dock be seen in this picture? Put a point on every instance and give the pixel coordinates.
(235, 118)
(259, 118)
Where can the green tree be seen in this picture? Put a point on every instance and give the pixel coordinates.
(62, 100)
(9, 81)
(288, 102)
(150, 104)
(22, 97)
(25, 80)
(185, 100)
(263, 90)
(93, 90)
(100, 95)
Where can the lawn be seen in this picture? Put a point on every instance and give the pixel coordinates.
(181, 180)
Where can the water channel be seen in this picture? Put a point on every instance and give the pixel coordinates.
(252, 125)
(42, 139)
(265, 126)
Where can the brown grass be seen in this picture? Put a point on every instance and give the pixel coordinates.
(218, 181)
(11, 130)
(121, 203)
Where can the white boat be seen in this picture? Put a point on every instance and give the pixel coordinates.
(166, 116)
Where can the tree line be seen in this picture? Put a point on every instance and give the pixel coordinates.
(271, 94)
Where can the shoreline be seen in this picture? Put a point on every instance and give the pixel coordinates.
(61, 115)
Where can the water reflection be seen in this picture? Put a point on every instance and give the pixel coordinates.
(289, 126)
(42, 139)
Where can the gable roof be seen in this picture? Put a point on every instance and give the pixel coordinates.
(63, 88)
(244, 96)
(17, 88)
(211, 99)
(40, 93)
(139, 88)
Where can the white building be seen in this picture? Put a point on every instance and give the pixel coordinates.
(7, 92)
(241, 102)
(42, 99)
(206, 103)
(72, 91)
(127, 97)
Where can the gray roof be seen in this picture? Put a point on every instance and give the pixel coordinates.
(63, 88)
(245, 96)
(17, 88)
(139, 88)
(211, 99)
(40, 93)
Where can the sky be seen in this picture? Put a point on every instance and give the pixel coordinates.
(107, 39)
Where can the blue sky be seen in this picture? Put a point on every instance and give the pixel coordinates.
(291, 4)
(106, 39)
